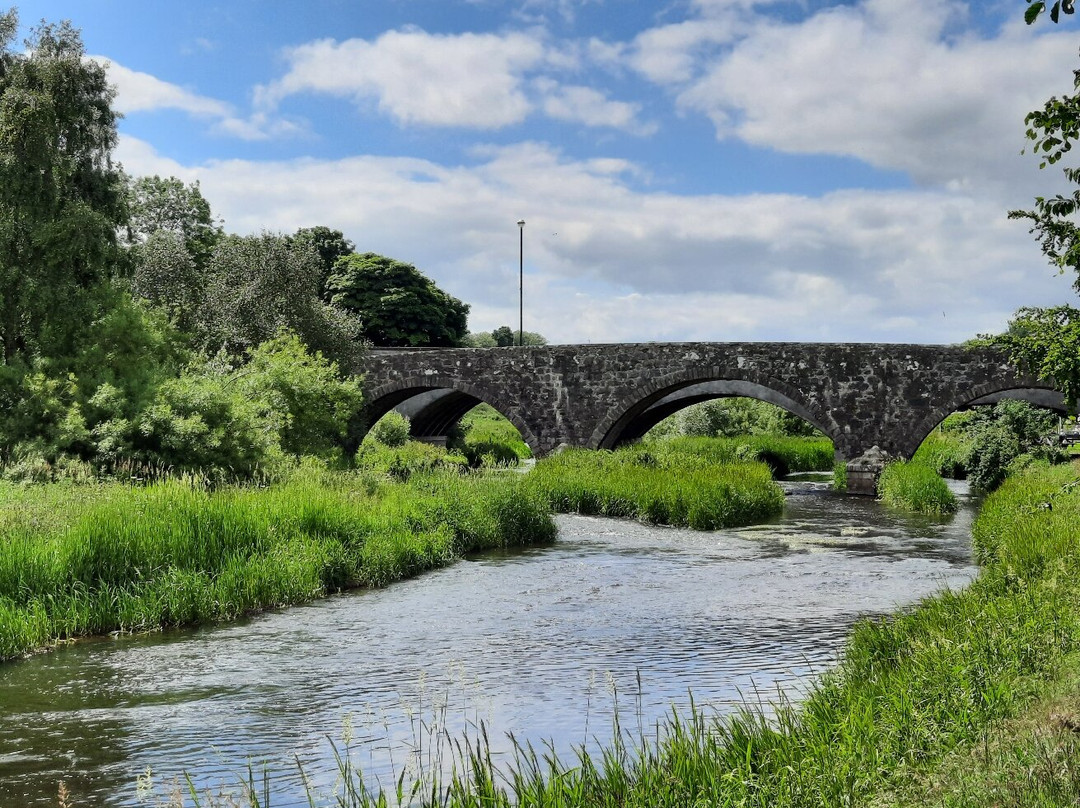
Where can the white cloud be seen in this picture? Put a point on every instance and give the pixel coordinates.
(470, 80)
(882, 82)
(142, 92)
(607, 262)
(591, 107)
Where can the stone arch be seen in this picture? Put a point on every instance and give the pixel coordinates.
(382, 399)
(989, 391)
(619, 419)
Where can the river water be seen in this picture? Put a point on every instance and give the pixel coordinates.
(546, 642)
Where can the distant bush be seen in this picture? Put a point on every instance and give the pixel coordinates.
(391, 430)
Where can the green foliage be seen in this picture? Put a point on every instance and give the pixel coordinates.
(396, 304)
(946, 452)
(729, 417)
(486, 438)
(412, 457)
(165, 206)
(61, 199)
(1001, 434)
(306, 391)
(174, 554)
(331, 245)
(258, 286)
(1046, 343)
(391, 430)
(505, 337)
(782, 454)
(915, 487)
(672, 489)
(1037, 7)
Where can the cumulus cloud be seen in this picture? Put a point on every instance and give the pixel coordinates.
(607, 262)
(880, 81)
(142, 92)
(471, 80)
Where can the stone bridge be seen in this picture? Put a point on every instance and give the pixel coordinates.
(598, 396)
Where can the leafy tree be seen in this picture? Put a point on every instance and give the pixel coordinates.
(61, 199)
(396, 303)
(308, 393)
(166, 205)
(258, 286)
(165, 274)
(331, 245)
(1046, 342)
(502, 337)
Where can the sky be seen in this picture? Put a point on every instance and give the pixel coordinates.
(689, 170)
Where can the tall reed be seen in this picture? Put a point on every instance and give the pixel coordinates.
(915, 487)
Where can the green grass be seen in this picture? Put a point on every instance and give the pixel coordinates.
(912, 695)
(946, 452)
(488, 432)
(782, 454)
(174, 554)
(915, 487)
(669, 488)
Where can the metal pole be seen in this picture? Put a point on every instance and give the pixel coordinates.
(521, 282)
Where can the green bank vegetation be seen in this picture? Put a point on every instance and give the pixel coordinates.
(668, 488)
(174, 553)
(927, 706)
(915, 487)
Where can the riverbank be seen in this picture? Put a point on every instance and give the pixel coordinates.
(913, 697)
(174, 554)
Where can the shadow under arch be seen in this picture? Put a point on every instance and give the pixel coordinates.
(646, 406)
(1034, 391)
(435, 403)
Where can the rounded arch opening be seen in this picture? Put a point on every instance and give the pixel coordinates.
(435, 406)
(1044, 396)
(639, 412)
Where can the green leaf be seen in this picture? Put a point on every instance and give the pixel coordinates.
(1033, 12)
(1054, 11)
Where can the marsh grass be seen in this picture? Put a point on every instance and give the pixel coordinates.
(915, 487)
(174, 553)
(670, 488)
(909, 692)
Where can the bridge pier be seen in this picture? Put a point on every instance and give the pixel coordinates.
(863, 472)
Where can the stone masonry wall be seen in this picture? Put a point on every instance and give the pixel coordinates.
(585, 395)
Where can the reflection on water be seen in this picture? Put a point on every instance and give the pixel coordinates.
(541, 642)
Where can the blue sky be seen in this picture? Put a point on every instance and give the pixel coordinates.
(698, 169)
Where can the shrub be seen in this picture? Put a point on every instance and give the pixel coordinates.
(391, 430)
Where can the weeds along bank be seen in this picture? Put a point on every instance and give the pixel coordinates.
(174, 554)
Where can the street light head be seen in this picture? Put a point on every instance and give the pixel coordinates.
(521, 223)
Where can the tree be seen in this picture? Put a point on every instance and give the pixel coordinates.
(167, 205)
(331, 245)
(61, 198)
(1046, 342)
(502, 337)
(396, 303)
(257, 286)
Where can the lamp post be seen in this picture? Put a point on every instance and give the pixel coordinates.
(521, 281)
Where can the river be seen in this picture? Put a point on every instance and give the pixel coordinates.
(545, 642)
